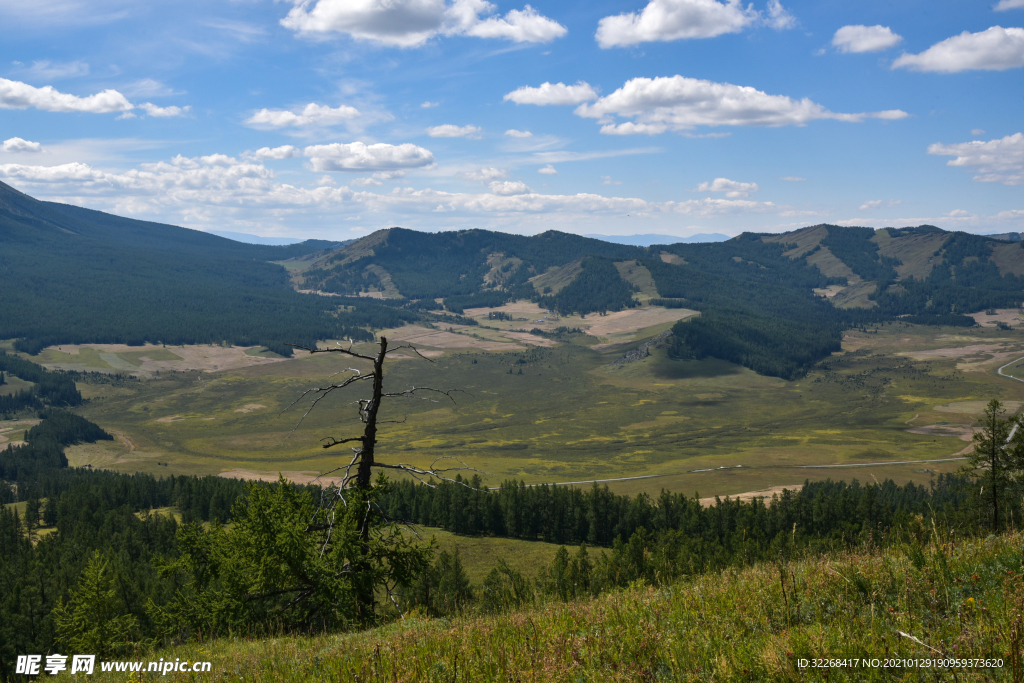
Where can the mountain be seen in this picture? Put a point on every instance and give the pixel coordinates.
(73, 275)
(648, 240)
(774, 303)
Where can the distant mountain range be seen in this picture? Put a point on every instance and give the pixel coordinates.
(255, 239)
(776, 303)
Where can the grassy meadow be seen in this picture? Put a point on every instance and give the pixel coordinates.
(896, 397)
(953, 599)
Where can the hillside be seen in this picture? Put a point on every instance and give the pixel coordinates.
(74, 275)
(938, 601)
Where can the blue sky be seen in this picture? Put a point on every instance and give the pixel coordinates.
(333, 118)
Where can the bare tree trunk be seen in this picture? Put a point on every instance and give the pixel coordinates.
(366, 462)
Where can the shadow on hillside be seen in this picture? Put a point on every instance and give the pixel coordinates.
(692, 369)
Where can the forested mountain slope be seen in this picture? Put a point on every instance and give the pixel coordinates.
(74, 275)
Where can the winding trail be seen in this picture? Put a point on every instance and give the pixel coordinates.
(1003, 374)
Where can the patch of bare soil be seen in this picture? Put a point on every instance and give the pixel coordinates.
(441, 339)
(955, 352)
(528, 338)
(517, 309)
(170, 418)
(633, 319)
(1009, 316)
(962, 432)
(249, 407)
(751, 495)
(204, 358)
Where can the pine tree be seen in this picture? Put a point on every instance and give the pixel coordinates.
(93, 621)
(995, 456)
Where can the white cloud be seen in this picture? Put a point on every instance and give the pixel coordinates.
(859, 38)
(389, 175)
(548, 170)
(871, 204)
(46, 70)
(792, 178)
(449, 130)
(485, 174)
(994, 49)
(411, 23)
(163, 112)
(429, 105)
(977, 131)
(663, 20)
(148, 87)
(358, 156)
(677, 103)
(507, 188)
(995, 161)
(20, 145)
(276, 153)
(367, 182)
(607, 180)
(731, 188)
(1008, 4)
(778, 18)
(553, 93)
(18, 95)
(513, 133)
(312, 114)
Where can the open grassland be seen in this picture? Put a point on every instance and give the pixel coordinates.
(962, 599)
(898, 398)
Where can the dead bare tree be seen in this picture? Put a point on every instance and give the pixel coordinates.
(356, 483)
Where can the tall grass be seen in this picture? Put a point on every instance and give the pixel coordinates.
(956, 598)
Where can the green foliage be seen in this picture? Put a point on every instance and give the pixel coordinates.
(268, 573)
(505, 588)
(855, 248)
(997, 460)
(52, 388)
(94, 620)
(597, 288)
(442, 589)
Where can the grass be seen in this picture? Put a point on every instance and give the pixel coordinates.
(571, 417)
(480, 553)
(960, 599)
(13, 385)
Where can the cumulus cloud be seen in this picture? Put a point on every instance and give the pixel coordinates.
(677, 103)
(428, 104)
(163, 112)
(358, 156)
(977, 131)
(607, 180)
(20, 145)
(1008, 4)
(411, 23)
(312, 114)
(276, 153)
(731, 188)
(994, 49)
(548, 170)
(995, 161)
(871, 204)
(507, 188)
(513, 133)
(663, 20)
(18, 95)
(778, 18)
(485, 174)
(859, 38)
(553, 93)
(450, 130)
